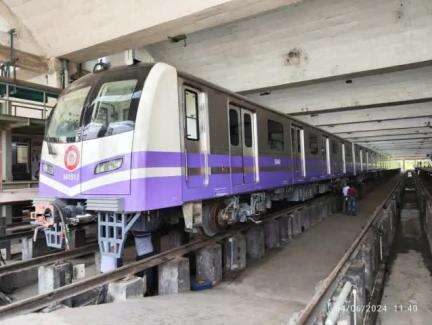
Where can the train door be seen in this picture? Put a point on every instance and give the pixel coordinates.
(243, 145)
(298, 154)
(196, 137)
(249, 133)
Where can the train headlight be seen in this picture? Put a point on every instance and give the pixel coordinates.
(47, 168)
(108, 166)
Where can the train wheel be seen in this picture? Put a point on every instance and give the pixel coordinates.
(212, 222)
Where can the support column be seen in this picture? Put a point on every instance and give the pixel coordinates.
(174, 276)
(284, 226)
(51, 277)
(272, 234)
(128, 288)
(235, 253)
(209, 264)
(255, 243)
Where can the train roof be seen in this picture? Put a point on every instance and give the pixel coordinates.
(189, 76)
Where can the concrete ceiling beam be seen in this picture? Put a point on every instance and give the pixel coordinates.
(370, 114)
(383, 125)
(115, 26)
(310, 42)
(360, 132)
(375, 91)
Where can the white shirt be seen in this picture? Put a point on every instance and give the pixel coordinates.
(345, 190)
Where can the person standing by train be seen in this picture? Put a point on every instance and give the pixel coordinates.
(352, 200)
(345, 189)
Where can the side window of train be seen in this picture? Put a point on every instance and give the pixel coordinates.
(275, 135)
(191, 112)
(313, 144)
(234, 127)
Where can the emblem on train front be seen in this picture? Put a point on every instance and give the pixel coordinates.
(71, 157)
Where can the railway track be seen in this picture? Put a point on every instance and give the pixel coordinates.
(307, 316)
(317, 307)
(43, 300)
(45, 259)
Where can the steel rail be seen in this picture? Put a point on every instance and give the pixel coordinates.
(308, 311)
(56, 296)
(40, 260)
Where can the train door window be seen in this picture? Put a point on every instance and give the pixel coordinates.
(275, 135)
(249, 150)
(247, 129)
(234, 127)
(361, 159)
(313, 144)
(191, 111)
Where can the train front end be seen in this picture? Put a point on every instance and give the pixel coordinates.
(101, 153)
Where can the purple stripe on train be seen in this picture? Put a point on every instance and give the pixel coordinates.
(160, 192)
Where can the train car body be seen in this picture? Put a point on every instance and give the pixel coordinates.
(146, 137)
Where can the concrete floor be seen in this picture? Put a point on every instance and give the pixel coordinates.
(269, 291)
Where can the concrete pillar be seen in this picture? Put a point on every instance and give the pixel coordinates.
(305, 219)
(209, 264)
(26, 248)
(6, 156)
(255, 243)
(54, 276)
(77, 238)
(234, 253)
(284, 230)
(296, 223)
(272, 234)
(78, 271)
(314, 214)
(174, 276)
(127, 288)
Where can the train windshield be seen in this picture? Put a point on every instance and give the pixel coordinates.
(110, 110)
(65, 119)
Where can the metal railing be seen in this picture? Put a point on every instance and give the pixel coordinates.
(22, 99)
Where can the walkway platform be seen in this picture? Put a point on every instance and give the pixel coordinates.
(269, 291)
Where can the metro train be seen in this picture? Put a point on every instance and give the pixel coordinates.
(142, 141)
